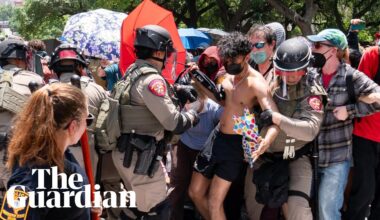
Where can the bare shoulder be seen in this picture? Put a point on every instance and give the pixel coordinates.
(256, 80)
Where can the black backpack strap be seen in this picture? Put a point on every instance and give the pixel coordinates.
(377, 76)
(299, 194)
(350, 87)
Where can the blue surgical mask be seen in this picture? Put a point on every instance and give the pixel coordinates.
(259, 57)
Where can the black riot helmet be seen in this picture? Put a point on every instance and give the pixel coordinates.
(292, 55)
(154, 37)
(290, 61)
(66, 52)
(13, 49)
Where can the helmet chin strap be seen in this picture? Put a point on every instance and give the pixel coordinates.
(162, 60)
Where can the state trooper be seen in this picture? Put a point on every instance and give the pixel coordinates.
(66, 61)
(14, 89)
(147, 108)
(299, 98)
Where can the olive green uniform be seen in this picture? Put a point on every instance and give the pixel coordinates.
(302, 115)
(19, 84)
(147, 109)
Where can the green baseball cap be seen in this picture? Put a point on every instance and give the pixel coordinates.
(336, 38)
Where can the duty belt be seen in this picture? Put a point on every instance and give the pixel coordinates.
(149, 151)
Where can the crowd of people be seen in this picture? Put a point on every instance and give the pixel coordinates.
(311, 150)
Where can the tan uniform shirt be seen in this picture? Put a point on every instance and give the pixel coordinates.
(301, 118)
(95, 95)
(151, 91)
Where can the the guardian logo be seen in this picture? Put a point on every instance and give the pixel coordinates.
(63, 191)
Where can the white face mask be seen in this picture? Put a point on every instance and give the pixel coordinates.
(194, 105)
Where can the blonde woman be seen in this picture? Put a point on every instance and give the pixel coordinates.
(54, 117)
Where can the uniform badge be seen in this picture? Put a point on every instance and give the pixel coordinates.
(12, 211)
(157, 87)
(315, 102)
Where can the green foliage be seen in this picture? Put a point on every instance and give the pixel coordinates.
(116, 5)
(6, 12)
(46, 18)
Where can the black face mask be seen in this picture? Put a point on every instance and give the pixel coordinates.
(234, 68)
(319, 60)
(211, 68)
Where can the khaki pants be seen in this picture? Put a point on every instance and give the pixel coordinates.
(149, 191)
(111, 181)
(300, 172)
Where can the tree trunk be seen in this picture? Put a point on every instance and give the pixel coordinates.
(232, 19)
(193, 19)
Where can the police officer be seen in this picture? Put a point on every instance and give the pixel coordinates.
(14, 88)
(299, 100)
(66, 61)
(147, 110)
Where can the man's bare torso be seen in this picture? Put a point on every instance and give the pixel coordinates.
(240, 94)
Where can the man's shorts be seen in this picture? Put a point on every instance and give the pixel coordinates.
(227, 158)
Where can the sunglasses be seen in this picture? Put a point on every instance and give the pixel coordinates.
(258, 45)
(289, 73)
(318, 45)
(90, 118)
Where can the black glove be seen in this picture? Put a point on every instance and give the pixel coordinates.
(220, 94)
(194, 117)
(185, 93)
(266, 118)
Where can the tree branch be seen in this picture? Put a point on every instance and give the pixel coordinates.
(338, 16)
(205, 9)
(367, 8)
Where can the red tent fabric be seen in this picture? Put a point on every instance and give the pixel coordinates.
(146, 13)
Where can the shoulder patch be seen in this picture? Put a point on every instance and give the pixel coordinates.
(157, 87)
(18, 210)
(315, 102)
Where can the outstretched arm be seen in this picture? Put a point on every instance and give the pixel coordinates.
(266, 102)
(371, 98)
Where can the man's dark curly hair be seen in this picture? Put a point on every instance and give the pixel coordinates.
(233, 45)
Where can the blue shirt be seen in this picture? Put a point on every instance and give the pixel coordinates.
(196, 137)
(113, 74)
(23, 176)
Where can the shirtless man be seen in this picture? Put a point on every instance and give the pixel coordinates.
(244, 87)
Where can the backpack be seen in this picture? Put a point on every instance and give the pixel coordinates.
(10, 99)
(107, 128)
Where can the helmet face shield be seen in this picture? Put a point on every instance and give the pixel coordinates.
(280, 72)
(171, 61)
(33, 62)
(288, 79)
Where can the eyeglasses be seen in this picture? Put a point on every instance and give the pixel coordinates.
(90, 118)
(258, 45)
(318, 45)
